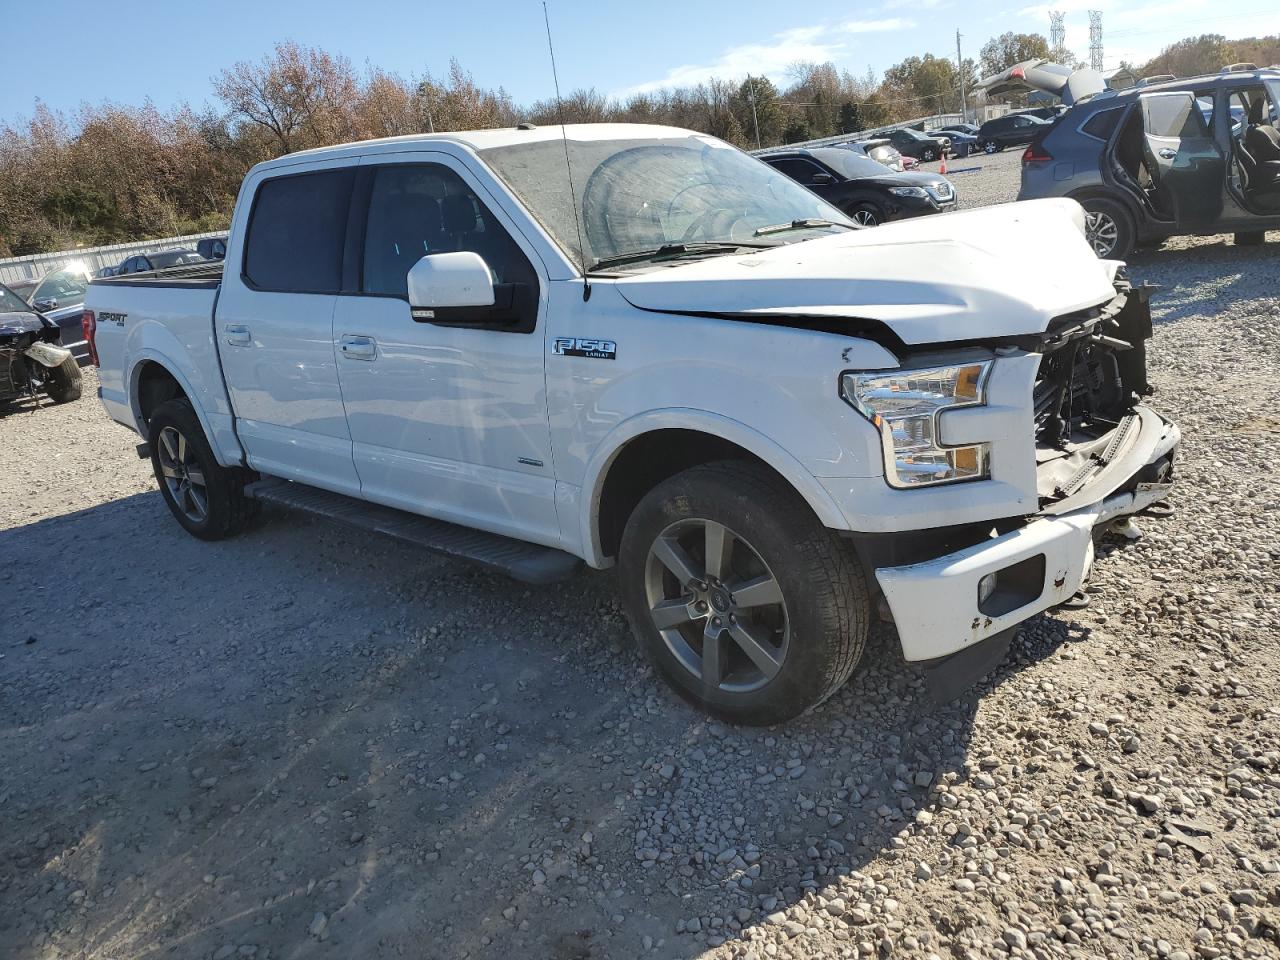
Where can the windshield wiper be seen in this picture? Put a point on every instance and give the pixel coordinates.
(672, 251)
(806, 224)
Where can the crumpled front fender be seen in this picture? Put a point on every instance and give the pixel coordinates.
(46, 354)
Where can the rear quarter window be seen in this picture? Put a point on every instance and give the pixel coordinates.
(297, 230)
(1103, 123)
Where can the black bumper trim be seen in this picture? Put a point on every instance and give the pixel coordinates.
(948, 677)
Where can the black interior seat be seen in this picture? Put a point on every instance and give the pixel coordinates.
(1262, 140)
(409, 229)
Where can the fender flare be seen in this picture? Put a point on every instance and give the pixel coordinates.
(152, 355)
(687, 418)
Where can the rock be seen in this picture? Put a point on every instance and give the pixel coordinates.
(319, 926)
(1015, 938)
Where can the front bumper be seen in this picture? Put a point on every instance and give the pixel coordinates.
(935, 603)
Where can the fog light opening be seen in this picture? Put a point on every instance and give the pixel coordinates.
(1013, 587)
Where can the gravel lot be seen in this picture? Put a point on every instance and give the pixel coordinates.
(296, 744)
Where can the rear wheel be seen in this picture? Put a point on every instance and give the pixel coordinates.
(928, 154)
(866, 214)
(1109, 228)
(740, 598)
(204, 496)
(1253, 238)
(63, 384)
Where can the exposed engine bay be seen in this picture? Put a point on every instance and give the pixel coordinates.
(1092, 376)
(31, 361)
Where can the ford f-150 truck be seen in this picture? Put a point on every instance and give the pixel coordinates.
(637, 345)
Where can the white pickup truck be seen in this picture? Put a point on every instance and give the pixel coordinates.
(660, 354)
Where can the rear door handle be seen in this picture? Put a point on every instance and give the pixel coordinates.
(237, 334)
(1168, 153)
(359, 348)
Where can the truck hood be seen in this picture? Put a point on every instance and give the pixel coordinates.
(998, 272)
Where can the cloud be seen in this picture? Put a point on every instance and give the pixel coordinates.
(816, 43)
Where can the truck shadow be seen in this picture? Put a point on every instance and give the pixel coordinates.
(298, 742)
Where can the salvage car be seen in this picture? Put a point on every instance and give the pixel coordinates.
(32, 364)
(867, 192)
(1011, 130)
(659, 355)
(59, 296)
(922, 146)
(1196, 155)
(162, 260)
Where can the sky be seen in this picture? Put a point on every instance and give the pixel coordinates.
(168, 53)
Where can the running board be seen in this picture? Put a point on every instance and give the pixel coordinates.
(527, 562)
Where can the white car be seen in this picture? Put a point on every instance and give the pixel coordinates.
(777, 425)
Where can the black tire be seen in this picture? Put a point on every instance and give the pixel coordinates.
(1252, 238)
(866, 213)
(63, 384)
(825, 606)
(227, 510)
(1125, 234)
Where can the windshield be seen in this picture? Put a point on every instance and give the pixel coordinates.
(67, 286)
(850, 164)
(10, 302)
(643, 194)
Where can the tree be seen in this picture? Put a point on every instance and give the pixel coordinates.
(757, 106)
(851, 118)
(302, 96)
(928, 84)
(1206, 53)
(797, 131)
(1000, 53)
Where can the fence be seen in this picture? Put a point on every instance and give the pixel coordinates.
(924, 123)
(27, 269)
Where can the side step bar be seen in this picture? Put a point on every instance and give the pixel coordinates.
(527, 562)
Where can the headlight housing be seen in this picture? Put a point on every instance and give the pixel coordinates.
(919, 192)
(904, 405)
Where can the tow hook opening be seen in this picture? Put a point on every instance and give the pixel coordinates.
(1012, 587)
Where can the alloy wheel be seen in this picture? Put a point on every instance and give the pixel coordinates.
(717, 605)
(989, 147)
(1101, 232)
(183, 475)
(929, 155)
(866, 218)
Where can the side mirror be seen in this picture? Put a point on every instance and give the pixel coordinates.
(45, 303)
(459, 279)
(821, 179)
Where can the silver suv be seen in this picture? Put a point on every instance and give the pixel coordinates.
(1199, 155)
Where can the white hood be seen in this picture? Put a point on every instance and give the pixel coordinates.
(997, 272)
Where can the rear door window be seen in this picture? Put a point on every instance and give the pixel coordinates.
(797, 168)
(297, 230)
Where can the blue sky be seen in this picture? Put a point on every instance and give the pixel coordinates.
(168, 52)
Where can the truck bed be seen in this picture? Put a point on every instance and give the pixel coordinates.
(191, 275)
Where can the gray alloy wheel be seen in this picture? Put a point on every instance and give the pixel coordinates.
(1101, 232)
(990, 147)
(183, 474)
(928, 154)
(865, 216)
(717, 606)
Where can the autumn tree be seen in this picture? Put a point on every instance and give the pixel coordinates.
(1000, 53)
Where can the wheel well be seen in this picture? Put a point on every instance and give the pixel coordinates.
(1080, 196)
(645, 462)
(155, 385)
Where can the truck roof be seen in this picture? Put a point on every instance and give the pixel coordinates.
(486, 139)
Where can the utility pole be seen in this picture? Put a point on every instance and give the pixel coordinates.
(964, 102)
(751, 95)
(1095, 40)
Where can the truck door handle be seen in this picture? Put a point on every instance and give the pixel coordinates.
(237, 334)
(1168, 153)
(359, 348)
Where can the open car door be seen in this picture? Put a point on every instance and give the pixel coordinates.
(1069, 86)
(1186, 166)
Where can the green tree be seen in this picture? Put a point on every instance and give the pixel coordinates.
(755, 102)
(1000, 53)
(851, 118)
(928, 83)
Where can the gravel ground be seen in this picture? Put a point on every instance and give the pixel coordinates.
(297, 744)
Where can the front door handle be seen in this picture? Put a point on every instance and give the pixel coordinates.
(1168, 153)
(237, 334)
(359, 348)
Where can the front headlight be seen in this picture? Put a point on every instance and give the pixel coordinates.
(905, 406)
(909, 192)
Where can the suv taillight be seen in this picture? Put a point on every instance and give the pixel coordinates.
(1036, 154)
(89, 326)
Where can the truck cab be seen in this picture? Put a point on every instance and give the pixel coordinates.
(636, 346)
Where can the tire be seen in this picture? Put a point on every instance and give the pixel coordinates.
(866, 213)
(180, 451)
(928, 154)
(1109, 228)
(1253, 238)
(810, 638)
(63, 384)
(990, 147)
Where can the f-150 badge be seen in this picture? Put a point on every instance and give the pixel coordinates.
(580, 347)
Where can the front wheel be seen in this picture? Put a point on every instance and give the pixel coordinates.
(1108, 228)
(740, 598)
(204, 496)
(991, 147)
(929, 154)
(63, 383)
(866, 214)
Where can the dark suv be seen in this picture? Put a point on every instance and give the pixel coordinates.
(1011, 130)
(1199, 155)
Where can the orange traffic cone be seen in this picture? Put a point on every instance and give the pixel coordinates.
(943, 168)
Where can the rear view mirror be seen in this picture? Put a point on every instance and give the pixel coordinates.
(459, 279)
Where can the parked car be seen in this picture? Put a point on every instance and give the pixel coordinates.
(163, 260)
(878, 149)
(212, 248)
(106, 272)
(865, 190)
(913, 143)
(32, 364)
(1011, 130)
(1042, 113)
(772, 422)
(1186, 156)
(60, 297)
(959, 143)
(969, 129)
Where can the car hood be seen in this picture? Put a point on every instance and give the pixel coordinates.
(905, 178)
(1070, 86)
(16, 322)
(998, 272)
